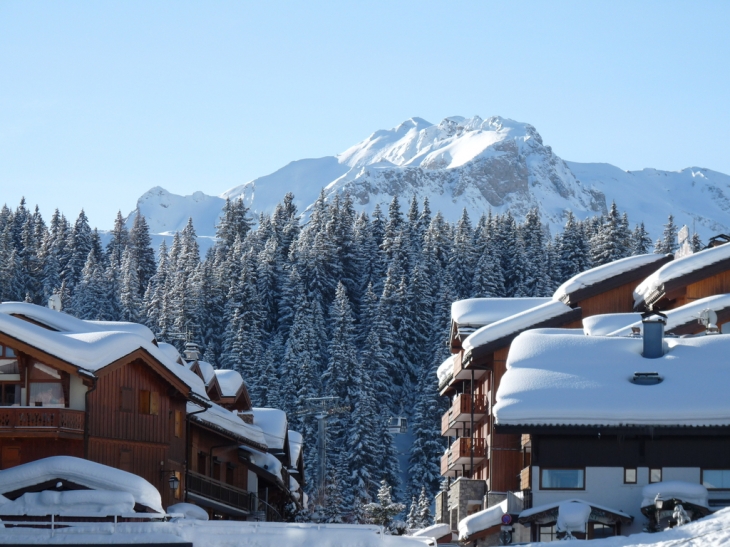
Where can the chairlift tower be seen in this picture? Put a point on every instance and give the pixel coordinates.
(322, 408)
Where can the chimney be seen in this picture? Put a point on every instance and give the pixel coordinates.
(191, 352)
(653, 328)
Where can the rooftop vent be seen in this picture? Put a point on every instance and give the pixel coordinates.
(191, 351)
(653, 323)
(646, 378)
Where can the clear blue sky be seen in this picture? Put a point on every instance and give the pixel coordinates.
(100, 101)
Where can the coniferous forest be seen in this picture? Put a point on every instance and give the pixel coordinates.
(341, 304)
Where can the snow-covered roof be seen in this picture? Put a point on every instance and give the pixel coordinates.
(68, 323)
(436, 531)
(478, 312)
(573, 516)
(84, 472)
(603, 324)
(516, 323)
(230, 381)
(604, 272)
(93, 350)
(555, 504)
(80, 503)
(295, 445)
(170, 351)
(188, 511)
(222, 418)
(269, 462)
(560, 379)
(679, 268)
(686, 491)
(682, 315)
(445, 370)
(274, 425)
(207, 370)
(481, 520)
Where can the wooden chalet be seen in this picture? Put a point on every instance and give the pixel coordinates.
(109, 393)
(486, 464)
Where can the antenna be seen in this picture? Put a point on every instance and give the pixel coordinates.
(322, 408)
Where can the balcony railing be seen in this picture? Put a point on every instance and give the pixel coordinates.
(460, 411)
(230, 495)
(24, 419)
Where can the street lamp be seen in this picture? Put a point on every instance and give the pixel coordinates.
(174, 481)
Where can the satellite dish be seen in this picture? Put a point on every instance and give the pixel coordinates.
(708, 317)
(54, 302)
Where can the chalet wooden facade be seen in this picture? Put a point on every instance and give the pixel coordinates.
(487, 464)
(111, 394)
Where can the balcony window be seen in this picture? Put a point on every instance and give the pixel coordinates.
(630, 475)
(562, 479)
(9, 394)
(47, 386)
(716, 479)
(9, 371)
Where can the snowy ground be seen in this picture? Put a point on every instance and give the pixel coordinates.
(215, 534)
(711, 531)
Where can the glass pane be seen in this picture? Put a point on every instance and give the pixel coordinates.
(9, 352)
(630, 475)
(655, 475)
(10, 395)
(716, 478)
(562, 478)
(46, 394)
(9, 366)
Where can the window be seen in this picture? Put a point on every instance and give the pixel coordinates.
(48, 386)
(229, 472)
(562, 479)
(9, 394)
(630, 475)
(8, 363)
(655, 474)
(201, 463)
(603, 530)
(149, 402)
(216, 469)
(716, 479)
(547, 533)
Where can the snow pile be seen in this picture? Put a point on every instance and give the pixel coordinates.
(573, 516)
(269, 462)
(686, 491)
(563, 379)
(230, 381)
(601, 325)
(602, 273)
(188, 511)
(274, 425)
(83, 472)
(478, 312)
(679, 316)
(515, 324)
(220, 417)
(481, 520)
(435, 531)
(71, 503)
(445, 370)
(295, 446)
(678, 268)
(170, 351)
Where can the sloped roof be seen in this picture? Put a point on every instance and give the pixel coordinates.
(478, 312)
(223, 419)
(557, 379)
(274, 425)
(230, 382)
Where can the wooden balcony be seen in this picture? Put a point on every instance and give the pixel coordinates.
(526, 478)
(25, 421)
(459, 455)
(460, 413)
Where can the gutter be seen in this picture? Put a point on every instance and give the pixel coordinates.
(86, 416)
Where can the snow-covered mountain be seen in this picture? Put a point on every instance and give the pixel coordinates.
(479, 164)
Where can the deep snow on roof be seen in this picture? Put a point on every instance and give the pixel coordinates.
(170, 351)
(678, 268)
(515, 324)
(481, 520)
(207, 370)
(84, 472)
(218, 416)
(91, 349)
(686, 491)
(602, 273)
(274, 425)
(436, 531)
(230, 381)
(603, 324)
(478, 312)
(547, 506)
(560, 379)
(684, 314)
(68, 323)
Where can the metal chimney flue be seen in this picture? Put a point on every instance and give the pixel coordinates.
(653, 328)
